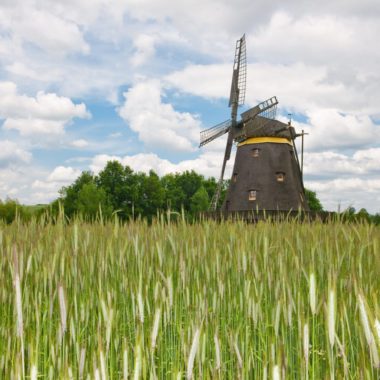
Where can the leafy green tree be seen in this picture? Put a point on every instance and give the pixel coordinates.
(121, 187)
(210, 185)
(199, 201)
(174, 196)
(349, 214)
(91, 199)
(189, 183)
(69, 194)
(313, 201)
(376, 219)
(9, 209)
(363, 215)
(151, 194)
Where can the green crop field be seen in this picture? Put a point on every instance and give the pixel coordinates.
(181, 301)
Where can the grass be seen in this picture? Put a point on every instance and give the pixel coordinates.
(180, 301)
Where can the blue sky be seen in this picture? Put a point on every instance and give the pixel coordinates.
(85, 81)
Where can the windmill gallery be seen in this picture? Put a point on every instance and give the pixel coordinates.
(266, 174)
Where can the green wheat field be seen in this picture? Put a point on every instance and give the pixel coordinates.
(173, 300)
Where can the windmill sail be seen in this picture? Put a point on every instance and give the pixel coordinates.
(239, 75)
(237, 97)
(266, 109)
(212, 133)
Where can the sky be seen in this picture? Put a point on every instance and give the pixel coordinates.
(86, 81)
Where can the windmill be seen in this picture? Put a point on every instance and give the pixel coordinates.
(266, 173)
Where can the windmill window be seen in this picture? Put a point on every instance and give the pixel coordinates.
(234, 178)
(252, 195)
(255, 152)
(280, 176)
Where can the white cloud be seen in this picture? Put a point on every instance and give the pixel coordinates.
(42, 28)
(16, 181)
(63, 174)
(80, 143)
(11, 154)
(345, 192)
(209, 81)
(331, 129)
(328, 163)
(20, 69)
(157, 123)
(145, 49)
(46, 190)
(47, 113)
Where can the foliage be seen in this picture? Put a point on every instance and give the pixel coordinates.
(313, 201)
(199, 201)
(70, 194)
(10, 209)
(91, 200)
(197, 301)
(130, 194)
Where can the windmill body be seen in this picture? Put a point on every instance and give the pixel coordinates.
(266, 173)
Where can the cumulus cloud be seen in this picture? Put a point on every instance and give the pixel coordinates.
(42, 28)
(145, 49)
(16, 181)
(46, 190)
(345, 179)
(47, 113)
(80, 143)
(208, 81)
(341, 193)
(63, 174)
(332, 164)
(330, 128)
(11, 154)
(157, 123)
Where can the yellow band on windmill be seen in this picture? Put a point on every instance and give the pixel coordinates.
(262, 140)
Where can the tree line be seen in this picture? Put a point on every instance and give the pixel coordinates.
(117, 189)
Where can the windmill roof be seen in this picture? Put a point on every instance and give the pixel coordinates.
(264, 127)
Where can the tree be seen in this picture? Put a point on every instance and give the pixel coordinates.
(199, 201)
(210, 186)
(363, 215)
(91, 199)
(120, 186)
(69, 194)
(174, 196)
(376, 219)
(189, 183)
(9, 209)
(151, 194)
(313, 201)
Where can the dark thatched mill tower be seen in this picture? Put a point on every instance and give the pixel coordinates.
(266, 173)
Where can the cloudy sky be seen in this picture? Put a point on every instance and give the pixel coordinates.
(85, 81)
